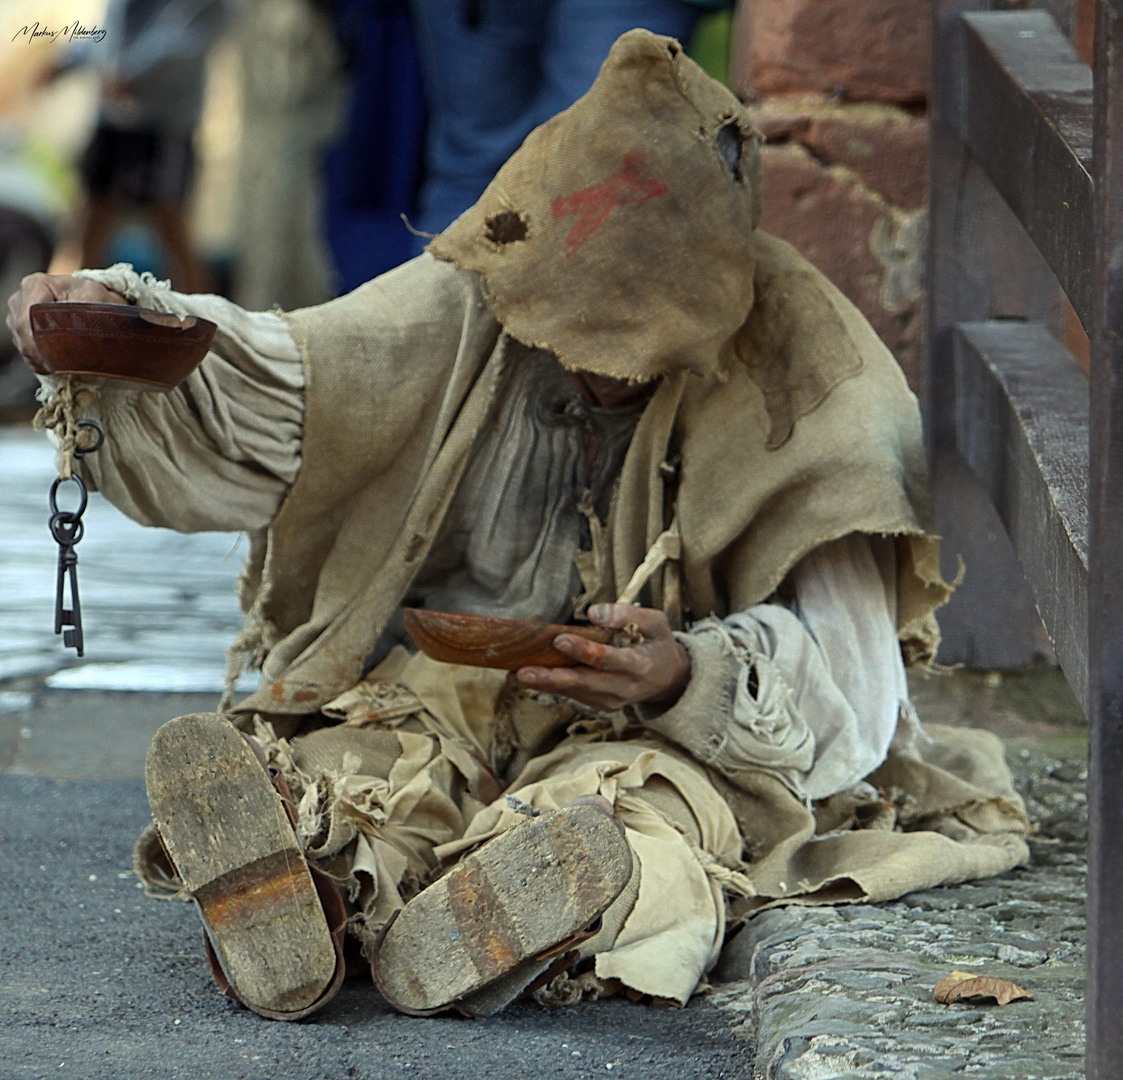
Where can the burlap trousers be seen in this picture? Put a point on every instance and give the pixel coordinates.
(427, 760)
(417, 773)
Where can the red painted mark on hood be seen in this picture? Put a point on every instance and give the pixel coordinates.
(592, 205)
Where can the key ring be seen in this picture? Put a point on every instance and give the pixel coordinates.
(79, 453)
(66, 529)
(83, 496)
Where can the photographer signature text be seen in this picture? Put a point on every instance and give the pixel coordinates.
(74, 31)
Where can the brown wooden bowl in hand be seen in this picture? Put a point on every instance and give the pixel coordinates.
(483, 641)
(134, 347)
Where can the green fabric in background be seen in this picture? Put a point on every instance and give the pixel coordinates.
(711, 44)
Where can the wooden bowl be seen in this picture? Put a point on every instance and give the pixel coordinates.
(133, 347)
(482, 641)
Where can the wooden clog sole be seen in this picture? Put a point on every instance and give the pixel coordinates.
(517, 897)
(227, 833)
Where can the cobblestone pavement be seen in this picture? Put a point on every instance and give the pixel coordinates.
(846, 993)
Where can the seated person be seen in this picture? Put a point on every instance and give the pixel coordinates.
(602, 395)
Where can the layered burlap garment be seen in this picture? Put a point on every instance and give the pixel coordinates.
(621, 237)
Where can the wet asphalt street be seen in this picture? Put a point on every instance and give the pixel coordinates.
(100, 981)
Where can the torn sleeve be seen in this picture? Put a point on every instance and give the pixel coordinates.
(813, 690)
(221, 450)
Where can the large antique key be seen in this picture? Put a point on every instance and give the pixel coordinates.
(67, 529)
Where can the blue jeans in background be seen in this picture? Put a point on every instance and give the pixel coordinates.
(496, 69)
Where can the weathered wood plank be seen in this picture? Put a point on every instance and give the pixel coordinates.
(1028, 121)
(1104, 1000)
(981, 266)
(1022, 425)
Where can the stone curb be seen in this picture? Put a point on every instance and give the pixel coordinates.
(846, 993)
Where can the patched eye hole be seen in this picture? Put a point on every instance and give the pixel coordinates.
(506, 227)
(730, 142)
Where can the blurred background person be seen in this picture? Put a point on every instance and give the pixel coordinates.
(441, 92)
(496, 69)
(325, 121)
(37, 183)
(33, 201)
(373, 173)
(292, 89)
(152, 64)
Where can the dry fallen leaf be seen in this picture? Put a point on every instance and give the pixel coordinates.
(976, 989)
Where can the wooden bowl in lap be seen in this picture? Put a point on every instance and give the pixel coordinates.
(133, 348)
(483, 641)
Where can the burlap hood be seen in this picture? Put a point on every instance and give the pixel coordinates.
(616, 235)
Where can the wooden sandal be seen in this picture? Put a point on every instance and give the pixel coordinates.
(228, 832)
(504, 913)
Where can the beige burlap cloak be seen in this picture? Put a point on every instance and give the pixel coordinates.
(622, 237)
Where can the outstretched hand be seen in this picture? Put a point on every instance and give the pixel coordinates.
(653, 671)
(46, 289)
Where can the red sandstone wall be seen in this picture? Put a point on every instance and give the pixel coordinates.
(838, 88)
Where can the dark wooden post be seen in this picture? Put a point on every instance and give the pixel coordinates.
(981, 265)
(1105, 569)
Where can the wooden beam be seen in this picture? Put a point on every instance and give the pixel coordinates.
(1104, 1000)
(1022, 425)
(981, 266)
(1028, 121)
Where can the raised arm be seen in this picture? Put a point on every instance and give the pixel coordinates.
(218, 452)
